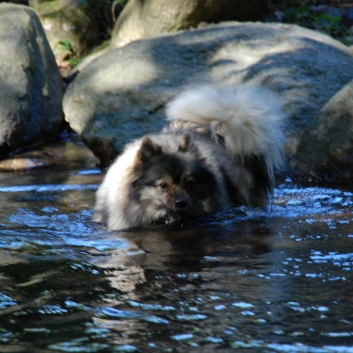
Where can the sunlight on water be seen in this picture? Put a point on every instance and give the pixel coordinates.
(275, 280)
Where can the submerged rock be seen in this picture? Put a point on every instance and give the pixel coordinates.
(30, 82)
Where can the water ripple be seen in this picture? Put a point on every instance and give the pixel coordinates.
(48, 188)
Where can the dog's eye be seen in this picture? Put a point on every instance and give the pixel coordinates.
(189, 183)
(163, 186)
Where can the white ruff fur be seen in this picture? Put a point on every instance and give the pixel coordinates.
(112, 195)
(248, 118)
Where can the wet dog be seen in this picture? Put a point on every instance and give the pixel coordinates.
(219, 150)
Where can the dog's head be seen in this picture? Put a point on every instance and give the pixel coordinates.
(171, 186)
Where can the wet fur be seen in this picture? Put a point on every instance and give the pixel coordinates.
(219, 150)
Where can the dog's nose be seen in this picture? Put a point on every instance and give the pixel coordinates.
(181, 202)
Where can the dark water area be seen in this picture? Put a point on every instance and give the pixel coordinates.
(242, 280)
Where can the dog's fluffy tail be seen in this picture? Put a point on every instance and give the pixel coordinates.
(248, 118)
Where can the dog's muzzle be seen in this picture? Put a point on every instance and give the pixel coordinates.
(181, 203)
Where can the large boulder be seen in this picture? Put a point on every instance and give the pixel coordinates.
(325, 147)
(30, 83)
(143, 19)
(122, 94)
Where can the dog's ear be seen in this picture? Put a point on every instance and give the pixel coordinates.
(147, 150)
(185, 143)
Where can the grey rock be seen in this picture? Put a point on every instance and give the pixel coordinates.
(30, 83)
(144, 19)
(66, 21)
(33, 3)
(325, 147)
(122, 94)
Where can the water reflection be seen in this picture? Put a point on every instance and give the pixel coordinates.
(243, 279)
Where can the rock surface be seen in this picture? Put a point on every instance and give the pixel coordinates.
(30, 83)
(122, 94)
(70, 32)
(144, 19)
(325, 147)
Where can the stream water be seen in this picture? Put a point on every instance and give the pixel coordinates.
(242, 280)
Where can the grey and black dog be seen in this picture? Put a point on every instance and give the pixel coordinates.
(219, 150)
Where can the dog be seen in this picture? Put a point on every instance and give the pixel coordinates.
(219, 150)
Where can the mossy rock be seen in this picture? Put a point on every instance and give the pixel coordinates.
(70, 31)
